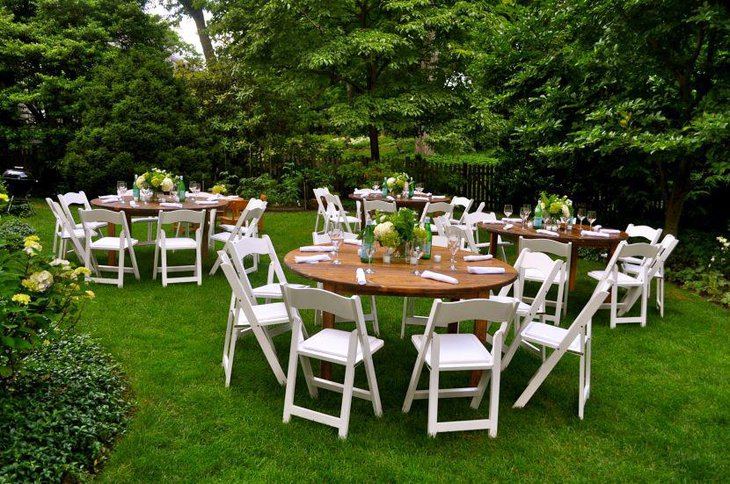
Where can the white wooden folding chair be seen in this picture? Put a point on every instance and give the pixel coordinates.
(434, 209)
(65, 232)
(120, 244)
(460, 352)
(252, 231)
(526, 313)
(319, 194)
(540, 262)
(318, 239)
(471, 222)
(576, 339)
(246, 226)
(656, 270)
(349, 349)
(462, 203)
(636, 285)
(644, 233)
(165, 244)
(336, 214)
(264, 320)
(383, 206)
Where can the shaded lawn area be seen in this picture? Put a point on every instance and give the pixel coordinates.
(658, 408)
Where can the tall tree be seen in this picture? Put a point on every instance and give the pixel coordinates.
(369, 64)
(194, 10)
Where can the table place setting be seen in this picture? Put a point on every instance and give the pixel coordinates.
(594, 233)
(549, 233)
(512, 219)
(475, 258)
(317, 248)
(110, 198)
(311, 259)
(360, 276)
(508, 226)
(609, 231)
(171, 204)
(352, 241)
(421, 198)
(439, 277)
(484, 270)
(206, 202)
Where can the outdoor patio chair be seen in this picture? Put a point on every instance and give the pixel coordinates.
(434, 209)
(464, 204)
(246, 226)
(656, 270)
(336, 214)
(319, 194)
(383, 206)
(165, 244)
(471, 222)
(539, 263)
(460, 352)
(645, 234)
(64, 232)
(121, 244)
(349, 349)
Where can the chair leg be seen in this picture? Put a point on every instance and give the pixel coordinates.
(614, 306)
(494, 401)
(373, 386)
(415, 376)
(476, 400)
(269, 353)
(403, 319)
(163, 254)
(155, 268)
(374, 312)
(215, 267)
(660, 295)
(644, 304)
(120, 270)
(346, 399)
(433, 401)
(199, 265)
(133, 258)
(228, 368)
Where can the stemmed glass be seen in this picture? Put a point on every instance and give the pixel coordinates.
(419, 188)
(454, 243)
(416, 254)
(194, 188)
(591, 217)
(121, 190)
(146, 194)
(581, 214)
(370, 252)
(376, 187)
(507, 210)
(525, 213)
(336, 238)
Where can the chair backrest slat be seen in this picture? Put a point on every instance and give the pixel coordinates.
(380, 205)
(177, 216)
(307, 298)
(644, 231)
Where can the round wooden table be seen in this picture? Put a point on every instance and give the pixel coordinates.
(415, 205)
(518, 230)
(152, 209)
(396, 279)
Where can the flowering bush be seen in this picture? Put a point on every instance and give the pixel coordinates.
(4, 199)
(556, 205)
(394, 229)
(157, 180)
(13, 231)
(702, 264)
(219, 189)
(36, 294)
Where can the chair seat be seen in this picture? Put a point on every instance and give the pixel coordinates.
(92, 225)
(522, 308)
(110, 243)
(79, 233)
(623, 279)
(266, 314)
(458, 352)
(174, 243)
(334, 343)
(221, 237)
(350, 219)
(227, 227)
(271, 291)
(549, 335)
(145, 219)
(631, 260)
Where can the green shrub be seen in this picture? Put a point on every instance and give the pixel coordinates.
(701, 263)
(13, 231)
(59, 419)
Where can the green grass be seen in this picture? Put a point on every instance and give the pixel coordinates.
(658, 408)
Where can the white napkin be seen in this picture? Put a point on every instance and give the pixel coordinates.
(597, 228)
(508, 226)
(311, 259)
(317, 248)
(232, 197)
(214, 197)
(171, 204)
(132, 203)
(438, 197)
(423, 199)
(206, 202)
(484, 270)
(610, 231)
(109, 197)
(360, 275)
(493, 221)
(362, 191)
(439, 277)
(512, 219)
(547, 232)
(352, 241)
(389, 198)
(593, 233)
(474, 258)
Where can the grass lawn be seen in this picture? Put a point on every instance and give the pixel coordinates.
(659, 406)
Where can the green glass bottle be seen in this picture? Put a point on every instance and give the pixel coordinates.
(368, 240)
(537, 222)
(429, 242)
(411, 188)
(181, 190)
(135, 189)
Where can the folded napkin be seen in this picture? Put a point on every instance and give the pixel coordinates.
(360, 276)
(474, 258)
(493, 221)
(508, 226)
(215, 197)
(311, 259)
(597, 228)
(170, 204)
(362, 191)
(109, 197)
(132, 203)
(352, 241)
(389, 198)
(438, 197)
(610, 231)
(593, 233)
(484, 270)
(439, 277)
(232, 197)
(512, 219)
(206, 202)
(423, 199)
(547, 232)
(317, 248)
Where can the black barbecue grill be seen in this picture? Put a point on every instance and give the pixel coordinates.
(20, 183)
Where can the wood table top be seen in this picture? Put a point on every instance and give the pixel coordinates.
(573, 236)
(152, 208)
(396, 279)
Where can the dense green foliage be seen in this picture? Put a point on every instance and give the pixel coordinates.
(60, 418)
(12, 232)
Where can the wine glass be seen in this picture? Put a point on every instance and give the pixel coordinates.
(121, 190)
(376, 187)
(419, 187)
(581, 215)
(336, 236)
(454, 243)
(146, 194)
(416, 254)
(526, 211)
(370, 252)
(591, 217)
(507, 210)
(194, 188)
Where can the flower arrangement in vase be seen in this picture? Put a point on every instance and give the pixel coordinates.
(398, 183)
(156, 181)
(394, 230)
(554, 207)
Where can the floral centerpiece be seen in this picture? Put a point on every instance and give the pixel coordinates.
(397, 183)
(395, 230)
(555, 207)
(157, 180)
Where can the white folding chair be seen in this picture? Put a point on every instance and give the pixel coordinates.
(64, 232)
(264, 320)
(460, 352)
(165, 243)
(636, 285)
(643, 232)
(121, 244)
(319, 194)
(349, 349)
(246, 226)
(383, 206)
(253, 231)
(463, 203)
(471, 222)
(656, 270)
(540, 262)
(335, 214)
(318, 239)
(434, 209)
(576, 339)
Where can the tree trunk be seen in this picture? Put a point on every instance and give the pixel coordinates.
(374, 143)
(673, 212)
(199, 18)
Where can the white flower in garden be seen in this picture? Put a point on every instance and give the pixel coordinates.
(391, 182)
(38, 281)
(141, 182)
(381, 230)
(60, 262)
(166, 185)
